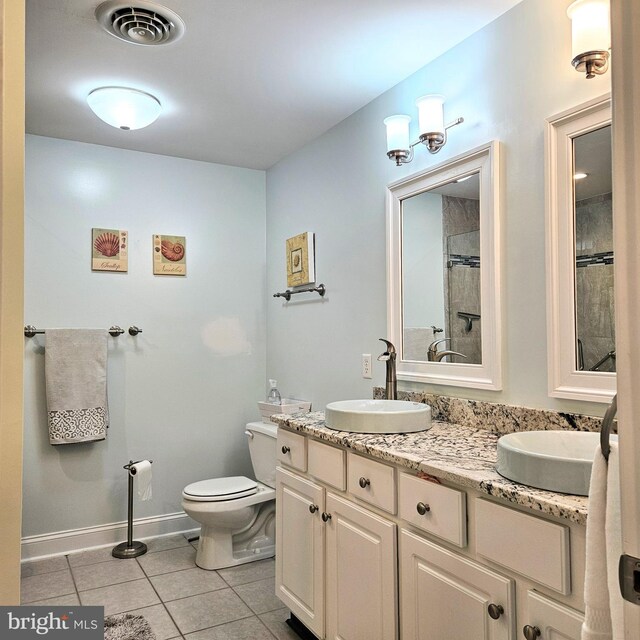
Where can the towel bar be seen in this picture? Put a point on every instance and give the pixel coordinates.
(30, 331)
(320, 289)
(605, 429)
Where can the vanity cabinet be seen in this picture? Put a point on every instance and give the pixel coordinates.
(360, 573)
(444, 595)
(549, 620)
(368, 550)
(335, 562)
(300, 548)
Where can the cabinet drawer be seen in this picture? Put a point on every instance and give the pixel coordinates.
(433, 508)
(292, 449)
(502, 534)
(372, 482)
(327, 464)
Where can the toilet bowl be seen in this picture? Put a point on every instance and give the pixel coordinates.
(237, 514)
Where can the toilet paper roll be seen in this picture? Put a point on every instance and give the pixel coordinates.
(142, 471)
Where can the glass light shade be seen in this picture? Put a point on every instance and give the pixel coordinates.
(590, 26)
(397, 132)
(431, 114)
(124, 108)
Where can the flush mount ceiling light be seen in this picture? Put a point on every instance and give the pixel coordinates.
(124, 108)
(145, 23)
(433, 131)
(590, 36)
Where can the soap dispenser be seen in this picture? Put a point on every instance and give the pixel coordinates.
(274, 395)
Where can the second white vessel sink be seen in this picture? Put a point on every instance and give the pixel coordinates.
(554, 460)
(378, 416)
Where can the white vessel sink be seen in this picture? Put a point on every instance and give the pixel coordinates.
(553, 460)
(378, 416)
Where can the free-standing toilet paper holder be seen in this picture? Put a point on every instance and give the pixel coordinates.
(131, 548)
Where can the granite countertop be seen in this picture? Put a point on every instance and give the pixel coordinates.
(462, 455)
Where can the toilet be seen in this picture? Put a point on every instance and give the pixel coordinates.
(237, 514)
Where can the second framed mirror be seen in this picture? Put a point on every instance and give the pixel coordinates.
(580, 254)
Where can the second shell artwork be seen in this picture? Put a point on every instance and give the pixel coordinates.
(169, 255)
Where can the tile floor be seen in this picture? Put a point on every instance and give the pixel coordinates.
(178, 599)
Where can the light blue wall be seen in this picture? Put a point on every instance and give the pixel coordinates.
(180, 392)
(505, 80)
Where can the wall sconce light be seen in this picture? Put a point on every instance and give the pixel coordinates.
(590, 36)
(433, 131)
(124, 108)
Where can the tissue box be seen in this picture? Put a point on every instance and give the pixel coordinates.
(289, 405)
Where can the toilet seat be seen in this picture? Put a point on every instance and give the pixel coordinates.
(220, 489)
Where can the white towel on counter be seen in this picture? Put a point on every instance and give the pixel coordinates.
(603, 602)
(613, 533)
(76, 381)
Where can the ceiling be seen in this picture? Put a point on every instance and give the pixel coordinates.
(249, 82)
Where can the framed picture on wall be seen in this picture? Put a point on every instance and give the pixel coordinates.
(109, 250)
(169, 255)
(301, 259)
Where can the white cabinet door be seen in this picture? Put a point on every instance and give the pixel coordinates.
(360, 573)
(446, 596)
(300, 548)
(552, 620)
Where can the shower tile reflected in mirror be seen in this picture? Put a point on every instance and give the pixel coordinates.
(595, 306)
(463, 287)
(441, 273)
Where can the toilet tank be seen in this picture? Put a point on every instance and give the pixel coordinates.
(262, 447)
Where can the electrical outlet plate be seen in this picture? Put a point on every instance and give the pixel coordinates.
(366, 365)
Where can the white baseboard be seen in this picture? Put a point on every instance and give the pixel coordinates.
(62, 542)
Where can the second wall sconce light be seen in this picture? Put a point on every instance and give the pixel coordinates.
(590, 36)
(433, 131)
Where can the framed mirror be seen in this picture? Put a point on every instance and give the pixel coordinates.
(580, 254)
(443, 281)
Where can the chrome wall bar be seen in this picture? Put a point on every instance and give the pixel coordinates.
(469, 319)
(30, 331)
(320, 289)
(605, 430)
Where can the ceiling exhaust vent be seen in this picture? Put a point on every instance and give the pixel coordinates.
(143, 23)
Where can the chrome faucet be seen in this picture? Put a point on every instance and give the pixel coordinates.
(433, 355)
(389, 356)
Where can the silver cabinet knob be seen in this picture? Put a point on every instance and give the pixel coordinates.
(364, 482)
(326, 516)
(530, 633)
(313, 508)
(285, 449)
(495, 610)
(422, 508)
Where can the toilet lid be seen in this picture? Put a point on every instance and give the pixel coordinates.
(221, 489)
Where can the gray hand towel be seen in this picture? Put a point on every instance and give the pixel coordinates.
(76, 377)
